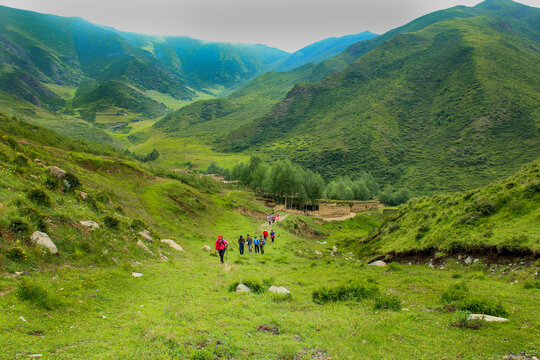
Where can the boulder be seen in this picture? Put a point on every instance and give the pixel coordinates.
(89, 224)
(172, 244)
(56, 171)
(279, 290)
(487, 318)
(146, 235)
(378, 263)
(242, 288)
(144, 247)
(468, 260)
(42, 239)
(206, 248)
(136, 274)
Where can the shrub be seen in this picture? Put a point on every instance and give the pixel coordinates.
(37, 294)
(386, 302)
(19, 227)
(514, 244)
(256, 286)
(484, 207)
(356, 292)
(533, 188)
(281, 297)
(461, 319)
(52, 182)
(20, 160)
(482, 306)
(102, 197)
(39, 197)
(531, 284)
(138, 224)
(71, 182)
(16, 254)
(455, 292)
(111, 222)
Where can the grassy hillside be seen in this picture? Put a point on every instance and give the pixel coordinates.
(455, 103)
(499, 219)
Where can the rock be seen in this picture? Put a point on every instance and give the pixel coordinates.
(279, 290)
(144, 247)
(318, 252)
(43, 239)
(476, 260)
(136, 274)
(269, 328)
(22, 319)
(172, 244)
(378, 263)
(83, 195)
(487, 318)
(468, 260)
(40, 162)
(334, 248)
(242, 288)
(89, 224)
(146, 235)
(297, 338)
(35, 355)
(323, 243)
(56, 171)
(206, 248)
(431, 266)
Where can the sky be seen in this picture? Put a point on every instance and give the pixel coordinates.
(286, 24)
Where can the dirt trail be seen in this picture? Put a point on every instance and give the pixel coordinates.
(265, 224)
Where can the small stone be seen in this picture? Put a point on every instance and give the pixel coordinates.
(136, 274)
(22, 319)
(297, 338)
(90, 224)
(279, 290)
(468, 260)
(242, 288)
(103, 317)
(431, 266)
(144, 247)
(476, 260)
(318, 252)
(487, 318)
(323, 243)
(378, 263)
(42, 239)
(56, 171)
(334, 248)
(172, 244)
(35, 355)
(146, 235)
(206, 248)
(83, 195)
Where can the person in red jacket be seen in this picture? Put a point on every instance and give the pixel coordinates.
(221, 246)
(265, 235)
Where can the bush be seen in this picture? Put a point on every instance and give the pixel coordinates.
(386, 302)
(281, 297)
(19, 227)
(461, 319)
(52, 182)
(531, 284)
(256, 286)
(111, 222)
(39, 197)
(356, 292)
(138, 224)
(455, 292)
(482, 306)
(20, 160)
(37, 294)
(16, 254)
(71, 182)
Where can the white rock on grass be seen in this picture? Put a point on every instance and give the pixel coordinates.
(144, 247)
(136, 274)
(378, 263)
(42, 239)
(487, 318)
(242, 288)
(146, 235)
(56, 171)
(334, 248)
(468, 260)
(318, 252)
(279, 290)
(206, 248)
(173, 244)
(89, 224)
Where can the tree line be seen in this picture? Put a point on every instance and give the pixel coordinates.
(293, 185)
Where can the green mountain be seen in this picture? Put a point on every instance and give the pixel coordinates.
(499, 219)
(448, 107)
(322, 50)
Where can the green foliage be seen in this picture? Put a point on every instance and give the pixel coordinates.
(353, 292)
(36, 293)
(111, 222)
(482, 306)
(70, 182)
(39, 197)
(256, 286)
(386, 302)
(455, 292)
(393, 197)
(17, 254)
(363, 188)
(20, 160)
(19, 227)
(138, 224)
(461, 319)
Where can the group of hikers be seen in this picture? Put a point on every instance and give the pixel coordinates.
(272, 218)
(256, 243)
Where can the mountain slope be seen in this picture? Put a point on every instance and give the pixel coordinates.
(322, 50)
(455, 103)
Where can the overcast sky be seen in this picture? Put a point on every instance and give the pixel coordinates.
(285, 24)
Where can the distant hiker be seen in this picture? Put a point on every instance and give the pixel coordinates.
(277, 216)
(269, 218)
(241, 243)
(272, 235)
(262, 242)
(221, 246)
(256, 243)
(249, 241)
(265, 235)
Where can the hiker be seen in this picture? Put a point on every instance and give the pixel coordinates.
(265, 235)
(221, 247)
(249, 241)
(272, 235)
(273, 218)
(241, 243)
(269, 218)
(256, 242)
(262, 242)
(277, 216)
